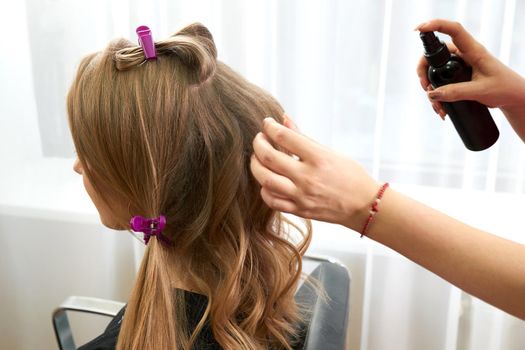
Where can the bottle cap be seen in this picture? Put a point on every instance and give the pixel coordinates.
(436, 52)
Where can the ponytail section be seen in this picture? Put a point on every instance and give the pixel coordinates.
(150, 307)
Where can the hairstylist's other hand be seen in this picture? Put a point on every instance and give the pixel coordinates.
(319, 185)
(492, 84)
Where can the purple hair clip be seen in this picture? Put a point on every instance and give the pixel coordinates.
(146, 42)
(150, 227)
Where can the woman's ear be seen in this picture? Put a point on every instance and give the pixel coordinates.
(77, 167)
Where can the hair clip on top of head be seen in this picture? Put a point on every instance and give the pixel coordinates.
(146, 42)
(150, 227)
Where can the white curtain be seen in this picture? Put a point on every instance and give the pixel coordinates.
(345, 71)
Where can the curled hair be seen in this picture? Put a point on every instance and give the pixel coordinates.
(174, 136)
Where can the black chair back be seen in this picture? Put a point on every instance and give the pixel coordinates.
(327, 315)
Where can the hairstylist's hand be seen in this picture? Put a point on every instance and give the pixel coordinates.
(320, 185)
(493, 83)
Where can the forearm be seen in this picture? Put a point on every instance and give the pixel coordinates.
(323, 185)
(516, 118)
(512, 102)
(486, 266)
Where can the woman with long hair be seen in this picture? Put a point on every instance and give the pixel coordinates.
(166, 141)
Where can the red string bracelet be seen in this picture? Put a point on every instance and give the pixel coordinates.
(374, 209)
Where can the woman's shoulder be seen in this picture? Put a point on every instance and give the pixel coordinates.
(108, 339)
(195, 307)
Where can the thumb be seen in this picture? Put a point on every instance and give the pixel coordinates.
(467, 90)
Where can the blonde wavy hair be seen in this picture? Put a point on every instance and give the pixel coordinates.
(174, 137)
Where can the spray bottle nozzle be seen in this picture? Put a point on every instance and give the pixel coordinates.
(431, 42)
(436, 52)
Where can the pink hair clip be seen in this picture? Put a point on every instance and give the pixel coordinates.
(146, 42)
(150, 227)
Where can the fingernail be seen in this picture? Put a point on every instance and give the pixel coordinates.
(430, 87)
(435, 94)
(269, 119)
(420, 26)
(289, 123)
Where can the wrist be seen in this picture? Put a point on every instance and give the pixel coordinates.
(515, 100)
(374, 209)
(359, 205)
(516, 118)
(514, 111)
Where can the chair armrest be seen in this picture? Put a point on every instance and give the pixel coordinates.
(80, 304)
(91, 305)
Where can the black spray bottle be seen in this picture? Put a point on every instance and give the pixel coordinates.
(471, 119)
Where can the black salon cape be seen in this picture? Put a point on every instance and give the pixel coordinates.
(196, 304)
